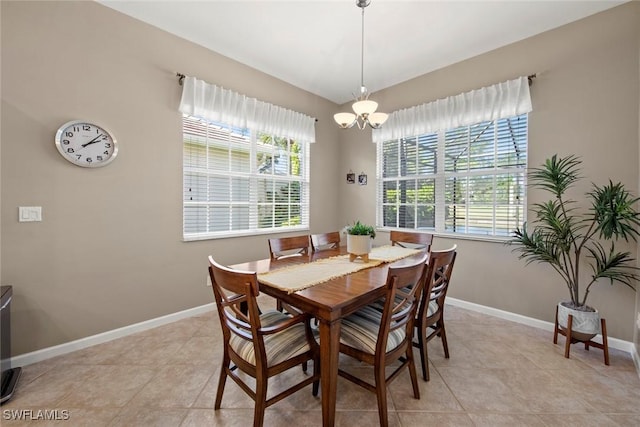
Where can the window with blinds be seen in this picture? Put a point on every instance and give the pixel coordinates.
(468, 180)
(239, 181)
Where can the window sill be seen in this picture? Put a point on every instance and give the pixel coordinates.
(475, 237)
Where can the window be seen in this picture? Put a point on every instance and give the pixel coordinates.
(240, 182)
(468, 180)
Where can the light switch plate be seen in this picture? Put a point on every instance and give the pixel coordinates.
(29, 213)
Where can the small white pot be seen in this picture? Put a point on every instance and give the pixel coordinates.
(585, 324)
(358, 245)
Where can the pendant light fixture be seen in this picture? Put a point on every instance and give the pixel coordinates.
(364, 108)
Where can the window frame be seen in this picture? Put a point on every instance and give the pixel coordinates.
(440, 177)
(253, 176)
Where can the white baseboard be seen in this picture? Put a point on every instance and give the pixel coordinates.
(529, 321)
(48, 353)
(636, 359)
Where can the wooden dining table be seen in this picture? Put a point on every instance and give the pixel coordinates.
(328, 302)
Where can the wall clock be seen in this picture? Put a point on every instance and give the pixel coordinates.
(86, 144)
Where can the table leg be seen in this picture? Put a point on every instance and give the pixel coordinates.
(329, 351)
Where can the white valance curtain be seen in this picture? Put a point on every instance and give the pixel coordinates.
(208, 101)
(507, 99)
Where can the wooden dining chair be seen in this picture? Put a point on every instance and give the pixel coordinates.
(288, 246)
(260, 345)
(325, 241)
(430, 319)
(283, 247)
(409, 239)
(382, 338)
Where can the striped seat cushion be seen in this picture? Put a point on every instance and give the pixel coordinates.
(279, 347)
(432, 308)
(360, 330)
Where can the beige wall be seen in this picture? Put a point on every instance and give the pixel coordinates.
(108, 252)
(585, 101)
(636, 328)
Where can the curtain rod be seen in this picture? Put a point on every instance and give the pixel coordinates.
(181, 77)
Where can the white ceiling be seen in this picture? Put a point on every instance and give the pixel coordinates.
(315, 45)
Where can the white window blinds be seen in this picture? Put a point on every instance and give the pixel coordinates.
(464, 170)
(241, 181)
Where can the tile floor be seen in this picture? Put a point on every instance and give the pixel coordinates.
(500, 374)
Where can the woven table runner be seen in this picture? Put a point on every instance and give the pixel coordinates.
(301, 276)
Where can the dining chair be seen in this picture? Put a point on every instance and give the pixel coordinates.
(260, 345)
(325, 241)
(283, 247)
(382, 338)
(411, 239)
(430, 319)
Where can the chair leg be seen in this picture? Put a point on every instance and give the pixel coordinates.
(221, 383)
(443, 335)
(279, 305)
(261, 402)
(422, 346)
(412, 372)
(316, 370)
(381, 394)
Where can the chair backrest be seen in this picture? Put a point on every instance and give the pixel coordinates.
(437, 280)
(325, 241)
(231, 288)
(404, 289)
(289, 246)
(415, 240)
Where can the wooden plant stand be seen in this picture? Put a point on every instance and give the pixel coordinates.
(588, 343)
(353, 257)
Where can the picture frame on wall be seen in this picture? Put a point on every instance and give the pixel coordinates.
(351, 178)
(362, 178)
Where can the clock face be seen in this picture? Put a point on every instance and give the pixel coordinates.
(86, 144)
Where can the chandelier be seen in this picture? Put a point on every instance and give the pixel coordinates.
(364, 108)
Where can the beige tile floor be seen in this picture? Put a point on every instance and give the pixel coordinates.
(500, 374)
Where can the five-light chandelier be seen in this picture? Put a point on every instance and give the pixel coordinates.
(364, 108)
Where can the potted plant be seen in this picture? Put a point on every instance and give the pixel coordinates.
(566, 238)
(359, 238)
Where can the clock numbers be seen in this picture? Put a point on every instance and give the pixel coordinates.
(86, 144)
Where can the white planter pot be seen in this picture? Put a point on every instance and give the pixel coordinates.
(358, 245)
(585, 324)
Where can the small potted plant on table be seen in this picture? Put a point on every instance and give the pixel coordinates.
(359, 239)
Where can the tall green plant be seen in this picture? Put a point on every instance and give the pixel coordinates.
(563, 237)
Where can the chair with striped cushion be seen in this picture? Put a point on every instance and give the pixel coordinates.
(325, 241)
(408, 239)
(382, 338)
(260, 345)
(430, 320)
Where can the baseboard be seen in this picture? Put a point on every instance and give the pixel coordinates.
(636, 359)
(529, 321)
(48, 353)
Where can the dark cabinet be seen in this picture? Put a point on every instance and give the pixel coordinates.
(9, 375)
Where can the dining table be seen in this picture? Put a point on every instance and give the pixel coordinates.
(329, 300)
